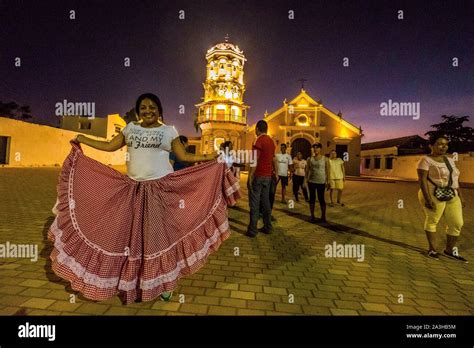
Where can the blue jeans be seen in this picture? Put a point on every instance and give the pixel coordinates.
(272, 197)
(260, 195)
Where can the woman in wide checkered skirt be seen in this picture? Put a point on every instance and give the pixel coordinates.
(135, 235)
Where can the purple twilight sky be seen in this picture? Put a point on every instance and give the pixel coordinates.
(81, 60)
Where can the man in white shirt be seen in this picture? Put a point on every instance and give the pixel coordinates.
(285, 163)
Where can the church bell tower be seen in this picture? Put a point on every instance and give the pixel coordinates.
(222, 115)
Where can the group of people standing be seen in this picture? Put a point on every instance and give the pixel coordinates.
(314, 176)
(439, 193)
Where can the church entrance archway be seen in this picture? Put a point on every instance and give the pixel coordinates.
(301, 145)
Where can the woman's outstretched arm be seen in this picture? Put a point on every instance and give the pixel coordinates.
(116, 143)
(183, 156)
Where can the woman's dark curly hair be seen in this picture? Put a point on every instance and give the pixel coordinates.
(153, 98)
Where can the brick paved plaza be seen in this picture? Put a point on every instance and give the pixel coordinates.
(280, 274)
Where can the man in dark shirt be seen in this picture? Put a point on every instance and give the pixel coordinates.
(259, 180)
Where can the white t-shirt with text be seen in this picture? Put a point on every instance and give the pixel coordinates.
(148, 150)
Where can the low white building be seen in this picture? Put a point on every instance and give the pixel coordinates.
(25, 144)
(398, 158)
(104, 127)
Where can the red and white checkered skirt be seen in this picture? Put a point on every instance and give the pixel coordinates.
(114, 235)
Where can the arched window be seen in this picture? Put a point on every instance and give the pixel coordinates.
(222, 66)
(235, 64)
(302, 120)
(235, 113)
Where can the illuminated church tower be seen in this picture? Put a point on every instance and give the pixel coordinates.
(222, 115)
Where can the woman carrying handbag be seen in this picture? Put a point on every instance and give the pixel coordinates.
(440, 195)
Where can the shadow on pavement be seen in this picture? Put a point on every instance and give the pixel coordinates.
(339, 228)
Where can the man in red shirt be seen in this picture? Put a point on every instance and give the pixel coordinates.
(259, 180)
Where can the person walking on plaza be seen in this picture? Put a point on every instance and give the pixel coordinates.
(259, 180)
(299, 165)
(440, 195)
(337, 176)
(229, 157)
(285, 164)
(136, 235)
(317, 178)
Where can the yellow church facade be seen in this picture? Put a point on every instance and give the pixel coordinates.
(303, 121)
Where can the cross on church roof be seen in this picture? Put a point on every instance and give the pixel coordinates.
(226, 38)
(302, 82)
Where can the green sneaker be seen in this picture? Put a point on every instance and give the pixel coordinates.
(166, 296)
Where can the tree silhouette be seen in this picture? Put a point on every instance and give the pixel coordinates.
(25, 112)
(13, 110)
(460, 137)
